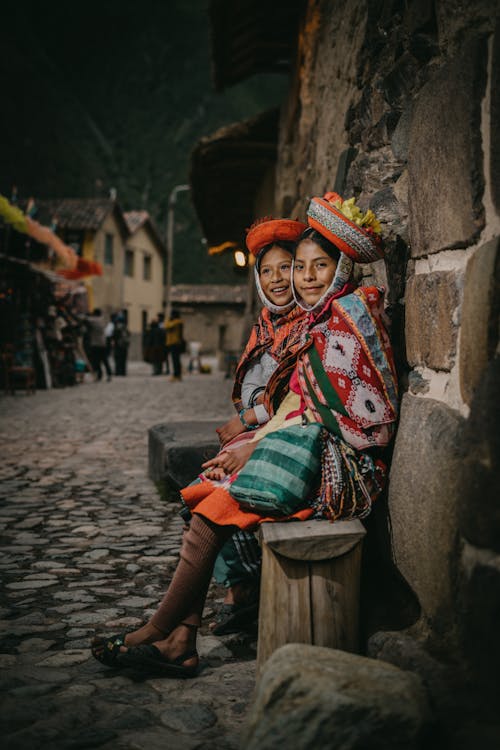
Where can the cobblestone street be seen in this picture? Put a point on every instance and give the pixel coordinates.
(89, 546)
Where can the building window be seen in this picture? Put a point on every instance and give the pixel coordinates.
(147, 268)
(108, 249)
(129, 262)
(144, 320)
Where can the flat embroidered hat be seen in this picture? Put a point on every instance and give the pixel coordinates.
(361, 243)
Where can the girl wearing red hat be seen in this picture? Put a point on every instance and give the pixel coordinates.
(275, 335)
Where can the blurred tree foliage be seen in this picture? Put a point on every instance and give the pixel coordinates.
(115, 94)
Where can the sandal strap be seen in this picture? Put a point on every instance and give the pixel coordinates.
(185, 656)
(190, 625)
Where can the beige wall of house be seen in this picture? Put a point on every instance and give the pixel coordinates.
(106, 291)
(142, 284)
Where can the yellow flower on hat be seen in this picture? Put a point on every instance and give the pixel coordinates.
(370, 220)
(352, 212)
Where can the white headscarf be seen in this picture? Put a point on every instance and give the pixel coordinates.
(277, 309)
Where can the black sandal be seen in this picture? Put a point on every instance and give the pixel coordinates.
(233, 618)
(107, 650)
(148, 658)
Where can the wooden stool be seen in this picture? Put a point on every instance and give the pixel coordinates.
(14, 374)
(310, 585)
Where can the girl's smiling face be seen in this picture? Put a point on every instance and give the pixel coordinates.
(313, 271)
(274, 275)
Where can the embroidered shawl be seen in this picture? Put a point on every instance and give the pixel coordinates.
(279, 335)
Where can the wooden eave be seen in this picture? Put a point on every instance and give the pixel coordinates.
(252, 36)
(226, 172)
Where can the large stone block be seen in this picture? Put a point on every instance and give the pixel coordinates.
(479, 316)
(445, 162)
(313, 697)
(425, 484)
(177, 450)
(479, 506)
(494, 120)
(406, 652)
(431, 334)
(457, 22)
(466, 709)
(481, 605)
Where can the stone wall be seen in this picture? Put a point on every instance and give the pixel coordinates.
(217, 327)
(396, 103)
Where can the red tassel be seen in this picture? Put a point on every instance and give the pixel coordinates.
(83, 268)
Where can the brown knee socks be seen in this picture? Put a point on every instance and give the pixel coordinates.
(188, 590)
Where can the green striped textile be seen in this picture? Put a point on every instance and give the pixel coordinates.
(282, 471)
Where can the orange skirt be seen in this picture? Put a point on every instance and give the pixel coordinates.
(216, 504)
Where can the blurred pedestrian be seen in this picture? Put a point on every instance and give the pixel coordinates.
(97, 344)
(121, 343)
(108, 332)
(156, 346)
(161, 326)
(175, 342)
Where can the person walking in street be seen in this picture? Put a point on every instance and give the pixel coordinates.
(121, 343)
(155, 346)
(175, 345)
(97, 344)
(161, 326)
(108, 332)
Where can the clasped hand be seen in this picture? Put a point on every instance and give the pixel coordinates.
(228, 462)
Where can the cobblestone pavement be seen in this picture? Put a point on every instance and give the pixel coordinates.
(88, 546)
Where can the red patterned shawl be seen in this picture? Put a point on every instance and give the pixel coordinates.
(279, 335)
(348, 378)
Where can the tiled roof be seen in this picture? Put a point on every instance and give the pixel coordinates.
(77, 213)
(209, 294)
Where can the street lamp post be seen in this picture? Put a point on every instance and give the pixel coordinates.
(172, 200)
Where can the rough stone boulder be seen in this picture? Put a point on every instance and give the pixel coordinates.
(177, 450)
(313, 697)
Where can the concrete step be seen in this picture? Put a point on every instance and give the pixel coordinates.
(177, 449)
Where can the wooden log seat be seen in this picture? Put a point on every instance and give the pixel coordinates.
(310, 585)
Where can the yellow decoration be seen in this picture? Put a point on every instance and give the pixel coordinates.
(216, 249)
(13, 215)
(352, 212)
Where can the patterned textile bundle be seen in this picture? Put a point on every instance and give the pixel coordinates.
(350, 481)
(278, 335)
